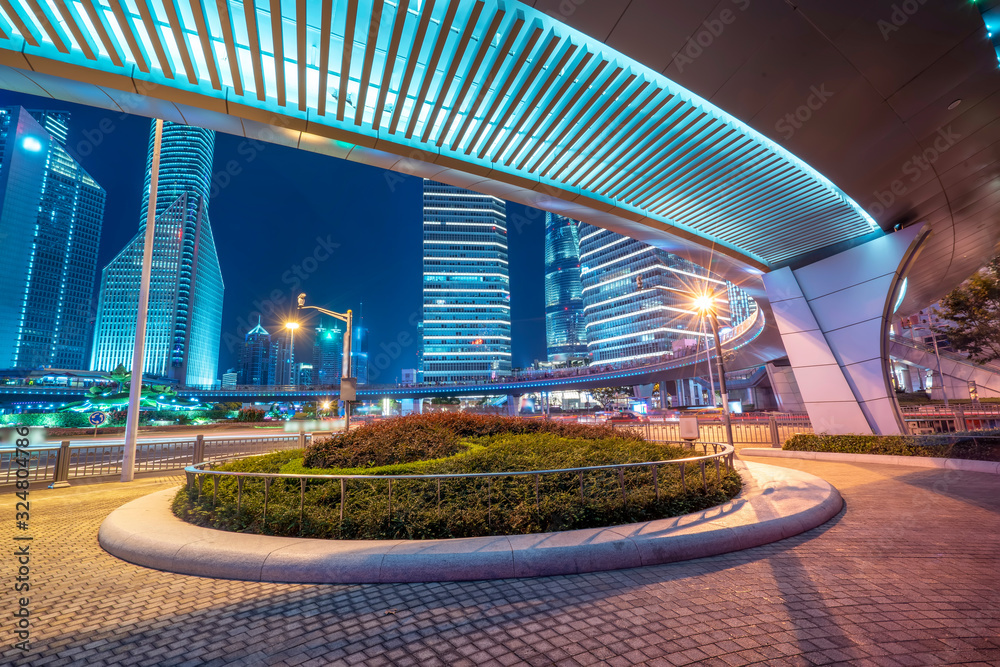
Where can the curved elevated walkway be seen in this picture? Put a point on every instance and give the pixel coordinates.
(775, 503)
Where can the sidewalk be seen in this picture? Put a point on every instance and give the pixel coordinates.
(905, 575)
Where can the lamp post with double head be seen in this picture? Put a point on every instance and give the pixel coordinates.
(348, 384)
(705, 304)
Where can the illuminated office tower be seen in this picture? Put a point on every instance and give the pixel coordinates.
(466, 289)
(565, 330)
(51, 212)
(328, 355)
(359, 352)
(626, 323)
(255, 357)
(184, 323)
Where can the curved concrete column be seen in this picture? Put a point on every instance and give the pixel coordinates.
(833, 317)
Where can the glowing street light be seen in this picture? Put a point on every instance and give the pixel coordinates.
(705, 304)
(291, 326)
(348, 385)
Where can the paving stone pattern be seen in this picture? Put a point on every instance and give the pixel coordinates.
(907, 575)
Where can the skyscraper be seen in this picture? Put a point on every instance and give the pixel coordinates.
(328, 355)
(51, 212)
(184, 324)
(466, 289)
(255, 357)
(626, 322)
(359, 353)
(565, 328)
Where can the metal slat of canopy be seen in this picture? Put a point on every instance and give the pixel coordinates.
(480, 83)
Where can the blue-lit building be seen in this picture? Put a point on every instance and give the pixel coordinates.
(627, 322)
(184, 324)
(328, 355)
(465, 333)
(359, 352)
(565, 326)
(51, 213)
(255, 357)
(280, 370)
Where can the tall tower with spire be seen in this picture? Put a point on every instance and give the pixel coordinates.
(184, 324)
(255, 357)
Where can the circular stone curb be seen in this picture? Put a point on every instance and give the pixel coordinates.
(775, 503)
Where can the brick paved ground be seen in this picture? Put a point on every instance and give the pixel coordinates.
(907, 575)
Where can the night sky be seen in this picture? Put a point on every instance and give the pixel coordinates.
(283, 206)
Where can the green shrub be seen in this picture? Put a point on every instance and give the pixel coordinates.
(250, 415)
(985, 447)
(467, 507)
(49, 419)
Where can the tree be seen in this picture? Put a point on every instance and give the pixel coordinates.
(606, 396)
(974, 310)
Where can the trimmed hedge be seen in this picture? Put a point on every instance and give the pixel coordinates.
(466, 507)
(974, 446)
(431, 436)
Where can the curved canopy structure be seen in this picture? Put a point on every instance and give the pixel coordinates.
(491, 94)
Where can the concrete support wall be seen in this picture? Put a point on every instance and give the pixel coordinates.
(785, 388)
(833, 319)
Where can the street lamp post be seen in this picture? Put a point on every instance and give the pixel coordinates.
(944, 391)
(139, 344)
(346, 385)
(706, 305)
(291, 326)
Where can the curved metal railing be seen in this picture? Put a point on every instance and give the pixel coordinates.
(721, 453)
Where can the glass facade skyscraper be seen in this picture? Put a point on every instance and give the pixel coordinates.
(629, 323)
(465, 333)
(359, 352)
(328, 355)
(565, 327)
(255, 357)
(184, 324)
(51, 213)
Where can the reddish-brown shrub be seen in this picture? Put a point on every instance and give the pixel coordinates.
(431, 436)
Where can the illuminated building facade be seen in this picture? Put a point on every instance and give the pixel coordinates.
(51, 212)
(255, 357)
(359, 352)
(184, 324)
(565, 327)
(626, 322)
(465, 333)
(328, 355)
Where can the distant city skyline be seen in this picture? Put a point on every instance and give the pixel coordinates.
(323, 197)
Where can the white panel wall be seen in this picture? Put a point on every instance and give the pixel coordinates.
(833, 317)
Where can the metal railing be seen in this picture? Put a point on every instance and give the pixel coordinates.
(721, 454)
(60, 463)
(925, 420)
(771, 431)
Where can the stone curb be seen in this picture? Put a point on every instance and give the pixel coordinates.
(992, 467)
(775, 503)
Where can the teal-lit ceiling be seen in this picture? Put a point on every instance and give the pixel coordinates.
(490, 86)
